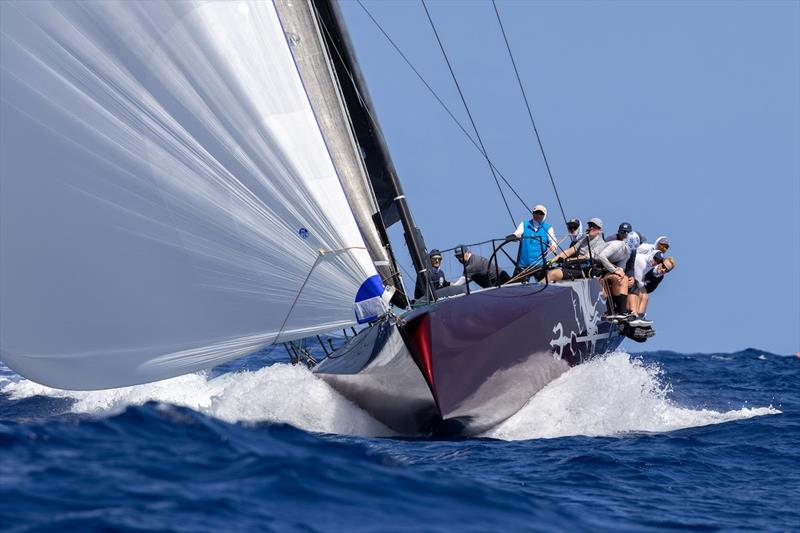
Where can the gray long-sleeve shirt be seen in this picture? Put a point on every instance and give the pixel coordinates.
(614, 255)
(582, 247)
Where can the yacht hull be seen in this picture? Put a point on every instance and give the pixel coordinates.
(464, 364)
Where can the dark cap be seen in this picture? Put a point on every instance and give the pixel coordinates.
(460, 250)
(658, 257)
(625, 227)
(435, 253)
(573, 224)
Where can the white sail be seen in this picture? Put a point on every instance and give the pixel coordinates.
(167, 200)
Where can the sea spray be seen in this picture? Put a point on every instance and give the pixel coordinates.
(279, 393)
(610, 395)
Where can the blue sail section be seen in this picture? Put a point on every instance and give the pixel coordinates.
(369, 303)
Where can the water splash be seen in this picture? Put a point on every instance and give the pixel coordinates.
(279, 393)
(610, 395)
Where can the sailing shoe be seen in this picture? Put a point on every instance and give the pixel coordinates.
(640, 323)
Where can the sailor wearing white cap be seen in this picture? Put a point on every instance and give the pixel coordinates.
(538, 237)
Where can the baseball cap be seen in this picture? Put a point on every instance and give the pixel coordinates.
(541, 208)
(597, 222)
(625, 227)
(435, 253)
(573, 224)
(632, 241)
(662, 240)
(460, 250)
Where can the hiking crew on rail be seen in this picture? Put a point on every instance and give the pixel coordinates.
(629, 268)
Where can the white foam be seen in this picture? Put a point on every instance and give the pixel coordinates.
(607, 396)
(278, 393)
(611, 395)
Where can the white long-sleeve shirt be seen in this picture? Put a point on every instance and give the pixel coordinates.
(644, 261)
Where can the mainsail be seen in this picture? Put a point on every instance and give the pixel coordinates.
(168, 199)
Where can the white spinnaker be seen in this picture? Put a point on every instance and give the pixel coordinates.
(166, 193)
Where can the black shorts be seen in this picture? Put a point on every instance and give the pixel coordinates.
(538, 273)
(636, 289)
(572, 274)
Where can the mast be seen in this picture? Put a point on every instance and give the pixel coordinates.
(386, 186)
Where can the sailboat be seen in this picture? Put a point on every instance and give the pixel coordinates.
(186, 183)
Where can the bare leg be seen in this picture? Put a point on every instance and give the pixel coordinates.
(633, 302)
(555, 275)
(644, 298)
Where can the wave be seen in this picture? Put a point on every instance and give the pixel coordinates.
(608, 396)
(280, 393)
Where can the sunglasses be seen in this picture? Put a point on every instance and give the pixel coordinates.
(436, 259)
(538, 213)
(592, 226)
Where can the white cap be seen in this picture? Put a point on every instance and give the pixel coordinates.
(541, 208)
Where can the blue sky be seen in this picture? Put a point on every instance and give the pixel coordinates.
(682, 118)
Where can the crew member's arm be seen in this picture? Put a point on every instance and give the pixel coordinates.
(519, 231)
(566, 254)
(602, 258)
(551, 238)
(460, 281)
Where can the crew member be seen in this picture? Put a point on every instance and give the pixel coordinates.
(478, 269)
(622, 232)
(538, 237)
(434, 275)
(612, 260)
(574, 231)
(581, 265)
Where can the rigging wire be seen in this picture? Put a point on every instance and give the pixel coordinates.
(466, 107)
(530, 113)
(441, 102)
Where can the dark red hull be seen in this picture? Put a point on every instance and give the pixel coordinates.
(475, 359)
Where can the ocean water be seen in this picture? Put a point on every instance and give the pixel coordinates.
(628, 442)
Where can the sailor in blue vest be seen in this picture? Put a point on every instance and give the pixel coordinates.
(532, 250)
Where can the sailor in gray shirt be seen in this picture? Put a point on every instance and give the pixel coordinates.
(478, 269)
(612, 259)
(585, 248)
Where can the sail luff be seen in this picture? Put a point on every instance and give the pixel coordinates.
(380, 167)
(314, 62)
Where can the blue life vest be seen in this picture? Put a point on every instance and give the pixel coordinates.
(531, 250)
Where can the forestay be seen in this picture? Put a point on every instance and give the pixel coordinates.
(168, 202)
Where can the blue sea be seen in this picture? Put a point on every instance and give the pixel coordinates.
(628, 442)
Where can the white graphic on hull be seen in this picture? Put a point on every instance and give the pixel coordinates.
(591, 318)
